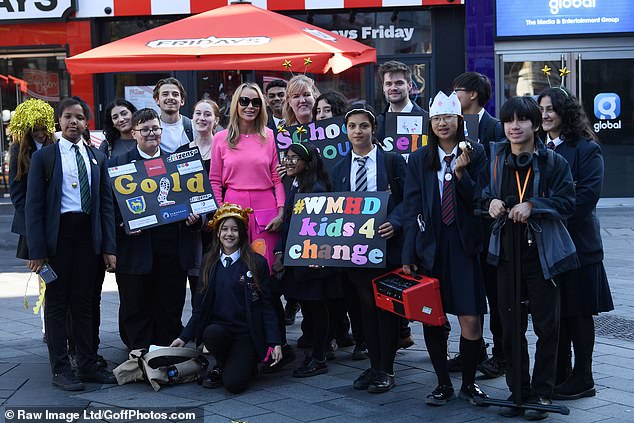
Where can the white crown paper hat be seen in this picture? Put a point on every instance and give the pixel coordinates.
(445, 105)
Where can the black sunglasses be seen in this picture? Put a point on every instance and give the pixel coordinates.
(244, 102)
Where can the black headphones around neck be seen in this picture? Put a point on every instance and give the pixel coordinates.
(522, 161)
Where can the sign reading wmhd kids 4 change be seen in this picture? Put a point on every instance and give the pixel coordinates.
(159, 191)
(337, 229)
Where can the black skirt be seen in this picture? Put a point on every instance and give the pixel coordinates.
(461, 282)
(585, 292)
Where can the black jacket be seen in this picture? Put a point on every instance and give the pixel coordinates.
(422, 204)
(134, 252)
(44, 202)
(340, 175)
(17, 189)
(261, 317)
(489, 130)
(586, 164)
(380, 120)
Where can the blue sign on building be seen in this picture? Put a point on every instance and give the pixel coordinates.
(563, 17)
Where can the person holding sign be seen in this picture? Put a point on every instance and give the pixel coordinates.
(243, 163)
(152, 263)
(232, 315)
(443, 239)
(312, 286)
(366, 168)
(69, 226)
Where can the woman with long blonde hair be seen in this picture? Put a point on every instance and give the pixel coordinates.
(243, 163)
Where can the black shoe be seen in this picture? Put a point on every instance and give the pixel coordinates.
(537, 414)
(345, 341)
(330, 350)
(303, 342)
(311, 367)
(440, 396)
(360, 352)
(406, 342)
(68, 381)
(493, 367)
(98, 375)
(44, 338)
(573, 389)
(213, 379)
(363, 381)
(472, 393)
(381, 382)
(288, 356)
(511, 411)
(290, 311)
(101, 362)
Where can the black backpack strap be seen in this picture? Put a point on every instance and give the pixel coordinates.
(187, 126)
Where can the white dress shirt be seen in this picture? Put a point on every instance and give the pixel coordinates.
(407, 109)
(147, 156)
(443, 165)
(234, 257)
(71, 192)
(557, 140)
(370, 166)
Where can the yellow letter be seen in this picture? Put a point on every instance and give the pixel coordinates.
(195, 184)
(148, 185)
(177, 182)
(127, 189)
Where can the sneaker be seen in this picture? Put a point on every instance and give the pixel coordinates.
(537, 414)
(381, 382)
(213, 379)
(311, 367)
(440, 396)
(573, 388)
(98, 375)
(406, 342)
(68, 381)
(473, 393)
(290, 312)
(101, 362)
(493, 367)
(364, 379)
(330, 350)
(288, 356)
(360, 352)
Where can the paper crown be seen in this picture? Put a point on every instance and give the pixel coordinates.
(230, 210)
(445, 105)
(33, 112)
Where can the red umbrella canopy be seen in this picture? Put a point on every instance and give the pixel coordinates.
(238, 36)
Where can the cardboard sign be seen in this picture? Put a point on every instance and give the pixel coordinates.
(337, 229)
(164, 190)
(328, 135)
(405, 132)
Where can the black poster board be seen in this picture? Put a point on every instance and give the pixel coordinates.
(163, 190)
(405, 132)
(337, 229)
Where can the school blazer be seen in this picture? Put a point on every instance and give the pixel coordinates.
(44, 202)
(586, 164)
(134, 252)
(422, 204)
(484, 129)
(341, 183)
(17, 189)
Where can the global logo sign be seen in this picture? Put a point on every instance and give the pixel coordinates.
(607, 107)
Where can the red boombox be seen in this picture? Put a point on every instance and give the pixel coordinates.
(413, 297)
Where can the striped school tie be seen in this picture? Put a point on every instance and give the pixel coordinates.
(448, 213)
(84, 186)
(362, 174)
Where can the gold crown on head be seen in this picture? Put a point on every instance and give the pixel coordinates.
(230, 210)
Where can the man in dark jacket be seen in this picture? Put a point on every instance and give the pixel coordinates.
(530, 194)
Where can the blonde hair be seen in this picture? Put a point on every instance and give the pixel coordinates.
(233, 129)
(297, 84)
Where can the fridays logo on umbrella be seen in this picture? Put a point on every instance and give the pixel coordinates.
(209, 42)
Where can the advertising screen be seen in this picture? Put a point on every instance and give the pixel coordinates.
(563, 17)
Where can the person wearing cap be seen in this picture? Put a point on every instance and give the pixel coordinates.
(443, 238)
(366, 168)
(233, 315)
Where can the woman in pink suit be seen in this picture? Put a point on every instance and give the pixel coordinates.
(243, 162)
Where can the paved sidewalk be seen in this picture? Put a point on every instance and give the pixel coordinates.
(25, 374)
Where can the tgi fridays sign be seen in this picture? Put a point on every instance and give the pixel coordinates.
(16, 10)
(380, 32)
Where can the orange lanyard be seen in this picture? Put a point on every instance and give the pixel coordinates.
(522, 190)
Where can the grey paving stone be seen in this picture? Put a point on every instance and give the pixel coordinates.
(260, 396)
(301, 410)
(139, 395)
(234, 409)
(325, 381)
(303, 392)
(273, 418)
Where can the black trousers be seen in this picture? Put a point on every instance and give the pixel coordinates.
(544, 306)
(380, 328)
(151, 305)
(490, 276)
(235, 354)
(96, 303)
(76, 266)
(353, 307)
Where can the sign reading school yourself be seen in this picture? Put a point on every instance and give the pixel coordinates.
(159, 191)
(337, 229)
(15, 10)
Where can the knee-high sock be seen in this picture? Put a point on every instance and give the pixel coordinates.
(436, 342)
(469, 353)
